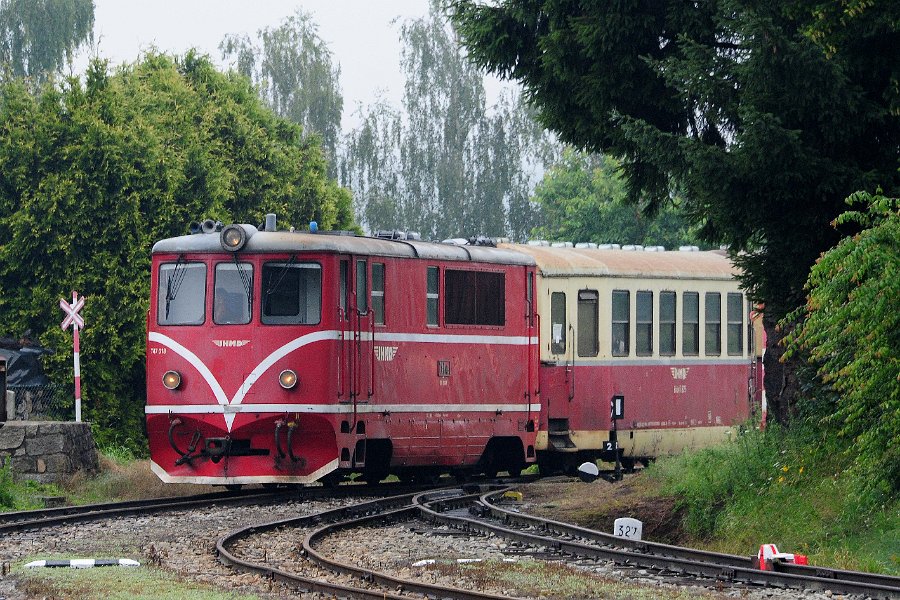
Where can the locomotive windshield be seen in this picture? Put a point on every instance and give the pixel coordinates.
(234, 295)
(292, 293)
(181, 295)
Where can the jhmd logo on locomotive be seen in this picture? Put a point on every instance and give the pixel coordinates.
(385, 353)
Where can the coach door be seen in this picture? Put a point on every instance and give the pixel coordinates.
(357, 333)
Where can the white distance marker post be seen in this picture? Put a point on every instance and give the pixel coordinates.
(77, 322)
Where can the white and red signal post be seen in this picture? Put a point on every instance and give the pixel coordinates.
(76, 321)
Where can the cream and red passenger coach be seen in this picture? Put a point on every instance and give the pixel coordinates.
(288, 357)
(666, 330)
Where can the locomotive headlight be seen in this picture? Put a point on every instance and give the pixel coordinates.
(233, 238)
(171, 380)
(288, 379)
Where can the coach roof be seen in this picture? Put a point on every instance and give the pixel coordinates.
(288, 242)
(587, 262)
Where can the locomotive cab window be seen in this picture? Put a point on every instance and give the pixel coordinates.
(621, 322)
(432, 297)
(378, 292)
(292, 293)
(643, 345)
(181, 294)
(233, 297)
(558, 323)
(588, 323)
(474, 298)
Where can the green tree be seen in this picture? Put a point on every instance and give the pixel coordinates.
(763, 130)
(445, 165)
(38, 36)
(93, 172)
(293, 68)
(582, 199)
(850, 329)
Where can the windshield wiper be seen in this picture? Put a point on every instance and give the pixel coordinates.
(245, 280)
(173, 282)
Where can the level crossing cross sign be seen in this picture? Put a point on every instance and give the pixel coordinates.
(71, 311)
(76, 321)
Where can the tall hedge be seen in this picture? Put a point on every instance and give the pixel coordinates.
(93, 172)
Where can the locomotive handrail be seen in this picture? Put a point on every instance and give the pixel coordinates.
(371, 315)
(340, 369)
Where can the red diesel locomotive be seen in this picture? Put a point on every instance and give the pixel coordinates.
(289, 357)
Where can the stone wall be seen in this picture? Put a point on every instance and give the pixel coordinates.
(48, 451)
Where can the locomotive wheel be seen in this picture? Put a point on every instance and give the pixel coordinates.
(234, 487)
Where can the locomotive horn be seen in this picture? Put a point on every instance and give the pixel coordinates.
(208, 226)
(194, 227)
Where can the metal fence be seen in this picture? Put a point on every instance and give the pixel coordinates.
(50, 402)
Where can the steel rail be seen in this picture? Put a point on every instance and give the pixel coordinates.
(746, 562)
(642, 558)
(394, 508)
(35, 519)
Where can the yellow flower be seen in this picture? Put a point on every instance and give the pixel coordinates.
(781, 479)
(801, 470)
(785, 468)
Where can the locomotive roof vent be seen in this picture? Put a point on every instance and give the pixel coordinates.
(538, 243)
(583, 245)
(632, 247)
(688, 249)
(654, 248)
(456, 241)
(609, 247)
(271, 222)
(561, 245)
(396, 234)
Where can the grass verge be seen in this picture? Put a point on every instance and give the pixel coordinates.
(792, 489)
(115, 583)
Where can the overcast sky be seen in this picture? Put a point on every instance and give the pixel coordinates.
(362, 36)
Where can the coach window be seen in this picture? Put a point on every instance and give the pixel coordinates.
(735, 311)
(362, 289)
(643, 344)
(621, 322)
(690, 324)
(378, 292)
(588, 323)
(713, 313)
(558, 323)
(292, 293)
(181, 294)
(432, 297)
(667, 323)
(233, 293)
(474, 298)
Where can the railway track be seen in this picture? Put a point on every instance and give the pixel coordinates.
(478, 510)
(31, 519)
(490, 517)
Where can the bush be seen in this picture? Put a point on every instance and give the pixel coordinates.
(850, 331)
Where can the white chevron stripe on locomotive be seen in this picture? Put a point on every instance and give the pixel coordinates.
(229, 407)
